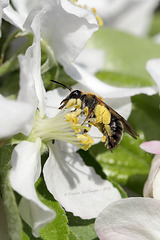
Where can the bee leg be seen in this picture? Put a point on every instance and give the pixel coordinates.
(89, 115)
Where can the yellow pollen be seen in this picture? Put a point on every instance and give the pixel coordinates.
(99, 20)
(70, 103)
(73, 116)
(102, 114)
(78, 103)
(85, 140)
(93, 10)
(103, 139)
(86, 111)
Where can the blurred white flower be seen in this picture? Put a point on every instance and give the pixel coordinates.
(129, 219)
(132, 16)
(153, 67)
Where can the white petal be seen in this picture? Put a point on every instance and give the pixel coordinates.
(26, 168)
(76, 186)
(91, 59)
(153, 68)
(130, 219)
(107, 91)
(54, 98)
(31, 83)
(65, 27)
(13, 17)
(15, 117)
(17, 12)
(151, 187)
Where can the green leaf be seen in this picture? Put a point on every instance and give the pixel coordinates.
(83, 229)
(125, 55)
(62, 77)
(155, 26)
(122, 79)
(145, 116)
(9, 201)
(58, 228)
(128, 164)
(72, 236)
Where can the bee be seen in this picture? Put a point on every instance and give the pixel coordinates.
(110, 123)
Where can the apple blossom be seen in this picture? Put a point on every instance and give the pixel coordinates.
(72, 27)
(65, 165)
(129, 219)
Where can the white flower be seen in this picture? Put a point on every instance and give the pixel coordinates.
(77, 187)
(130, 219)
(152, 185)
(133, 16)
(64, 27)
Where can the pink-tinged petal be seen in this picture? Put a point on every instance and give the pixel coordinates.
(26, 168)
(151, 187)
(76, 186)
(151, 146)
(15, 117)
(31, 84)
(129, 219)
(64, 27)
(153, 67)
(106, 91)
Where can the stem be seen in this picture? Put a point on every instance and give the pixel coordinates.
(51, 60)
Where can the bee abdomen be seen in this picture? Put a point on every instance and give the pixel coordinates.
(116, 132)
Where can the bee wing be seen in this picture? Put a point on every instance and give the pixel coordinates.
(127, 126)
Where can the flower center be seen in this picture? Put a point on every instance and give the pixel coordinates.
(64, 126)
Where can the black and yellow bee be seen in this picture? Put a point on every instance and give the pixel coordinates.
(108, 121)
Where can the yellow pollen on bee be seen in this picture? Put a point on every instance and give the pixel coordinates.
(108, 129)
(86, 111)
(103, 139)
(102, 114)
(85, 140)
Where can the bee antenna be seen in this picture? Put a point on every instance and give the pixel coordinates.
(69, 88)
